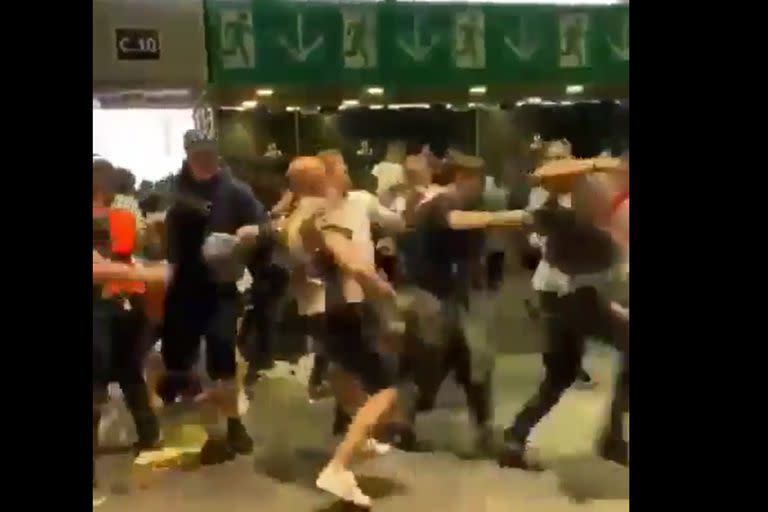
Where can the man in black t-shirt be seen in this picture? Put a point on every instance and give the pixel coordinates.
(450, 229)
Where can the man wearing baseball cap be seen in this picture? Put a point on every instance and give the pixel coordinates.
(200, 300)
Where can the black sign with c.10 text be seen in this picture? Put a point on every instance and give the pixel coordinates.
(137, 44)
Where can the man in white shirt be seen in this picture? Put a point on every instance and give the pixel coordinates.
(329, 237)
(389, 172)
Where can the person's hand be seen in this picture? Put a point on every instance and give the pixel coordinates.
(511, 218)
(153, 273)
(620, 311)
(248, 233)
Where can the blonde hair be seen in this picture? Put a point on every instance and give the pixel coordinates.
(307, 176)
(335, 169)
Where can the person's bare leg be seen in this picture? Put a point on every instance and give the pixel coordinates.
(336, 477)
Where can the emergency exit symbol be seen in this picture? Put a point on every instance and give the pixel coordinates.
(237, 46)
(469, 39)
(525, 46)
(621, 50)
(300, 53)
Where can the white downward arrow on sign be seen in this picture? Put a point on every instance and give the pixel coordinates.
(527, 46)
(300, 53)
(417, 51)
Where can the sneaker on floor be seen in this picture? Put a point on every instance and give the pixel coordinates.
(342, 484)
(375, 447)
(152, 445)
(216, 451)
(237, 437)
(513, 455)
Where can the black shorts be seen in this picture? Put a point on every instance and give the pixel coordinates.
(191, 314)
(340, 333)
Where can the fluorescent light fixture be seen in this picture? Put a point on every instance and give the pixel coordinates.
(249, 104)
(533, 100)
(349, 104)
(375, 91)
(574, 89)
(449, 106)
(238, 109)
(292, 108)
(477, 90)
(472, 105)
(398, 106)
(264, 93)
(566, 103)
(375, 107)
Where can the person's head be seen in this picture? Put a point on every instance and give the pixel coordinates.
(202, 155)
(556, 150)
(307, 177)
(126, 181)
(336, 170)
(103, 180)
(467, 173)
(396, 152)
(417, 171)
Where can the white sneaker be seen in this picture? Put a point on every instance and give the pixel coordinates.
(342, 483)
(377, 448)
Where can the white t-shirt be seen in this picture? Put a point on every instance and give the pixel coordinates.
(388, 175)
(355, 213)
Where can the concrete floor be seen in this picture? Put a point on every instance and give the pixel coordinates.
(293, 442)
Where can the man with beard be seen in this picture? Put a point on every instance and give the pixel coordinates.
(209, 202)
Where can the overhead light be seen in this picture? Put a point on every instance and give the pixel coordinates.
(264, 93)
(477, 90)
(449, 106)
(398, 106)
(566, 103)
(574, 89)
(292, 108)
(472, 105)
(375, 91)
(226, 107)
(249, 104)
(375, 107)
(533, 100)
(310, 109)
(349, 104)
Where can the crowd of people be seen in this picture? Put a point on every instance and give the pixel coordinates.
(383, 284)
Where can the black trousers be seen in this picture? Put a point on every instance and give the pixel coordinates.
(495, 269)
(259, 328)
(118, 355)
(192, 312)
(430, 366)
(569, 321)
